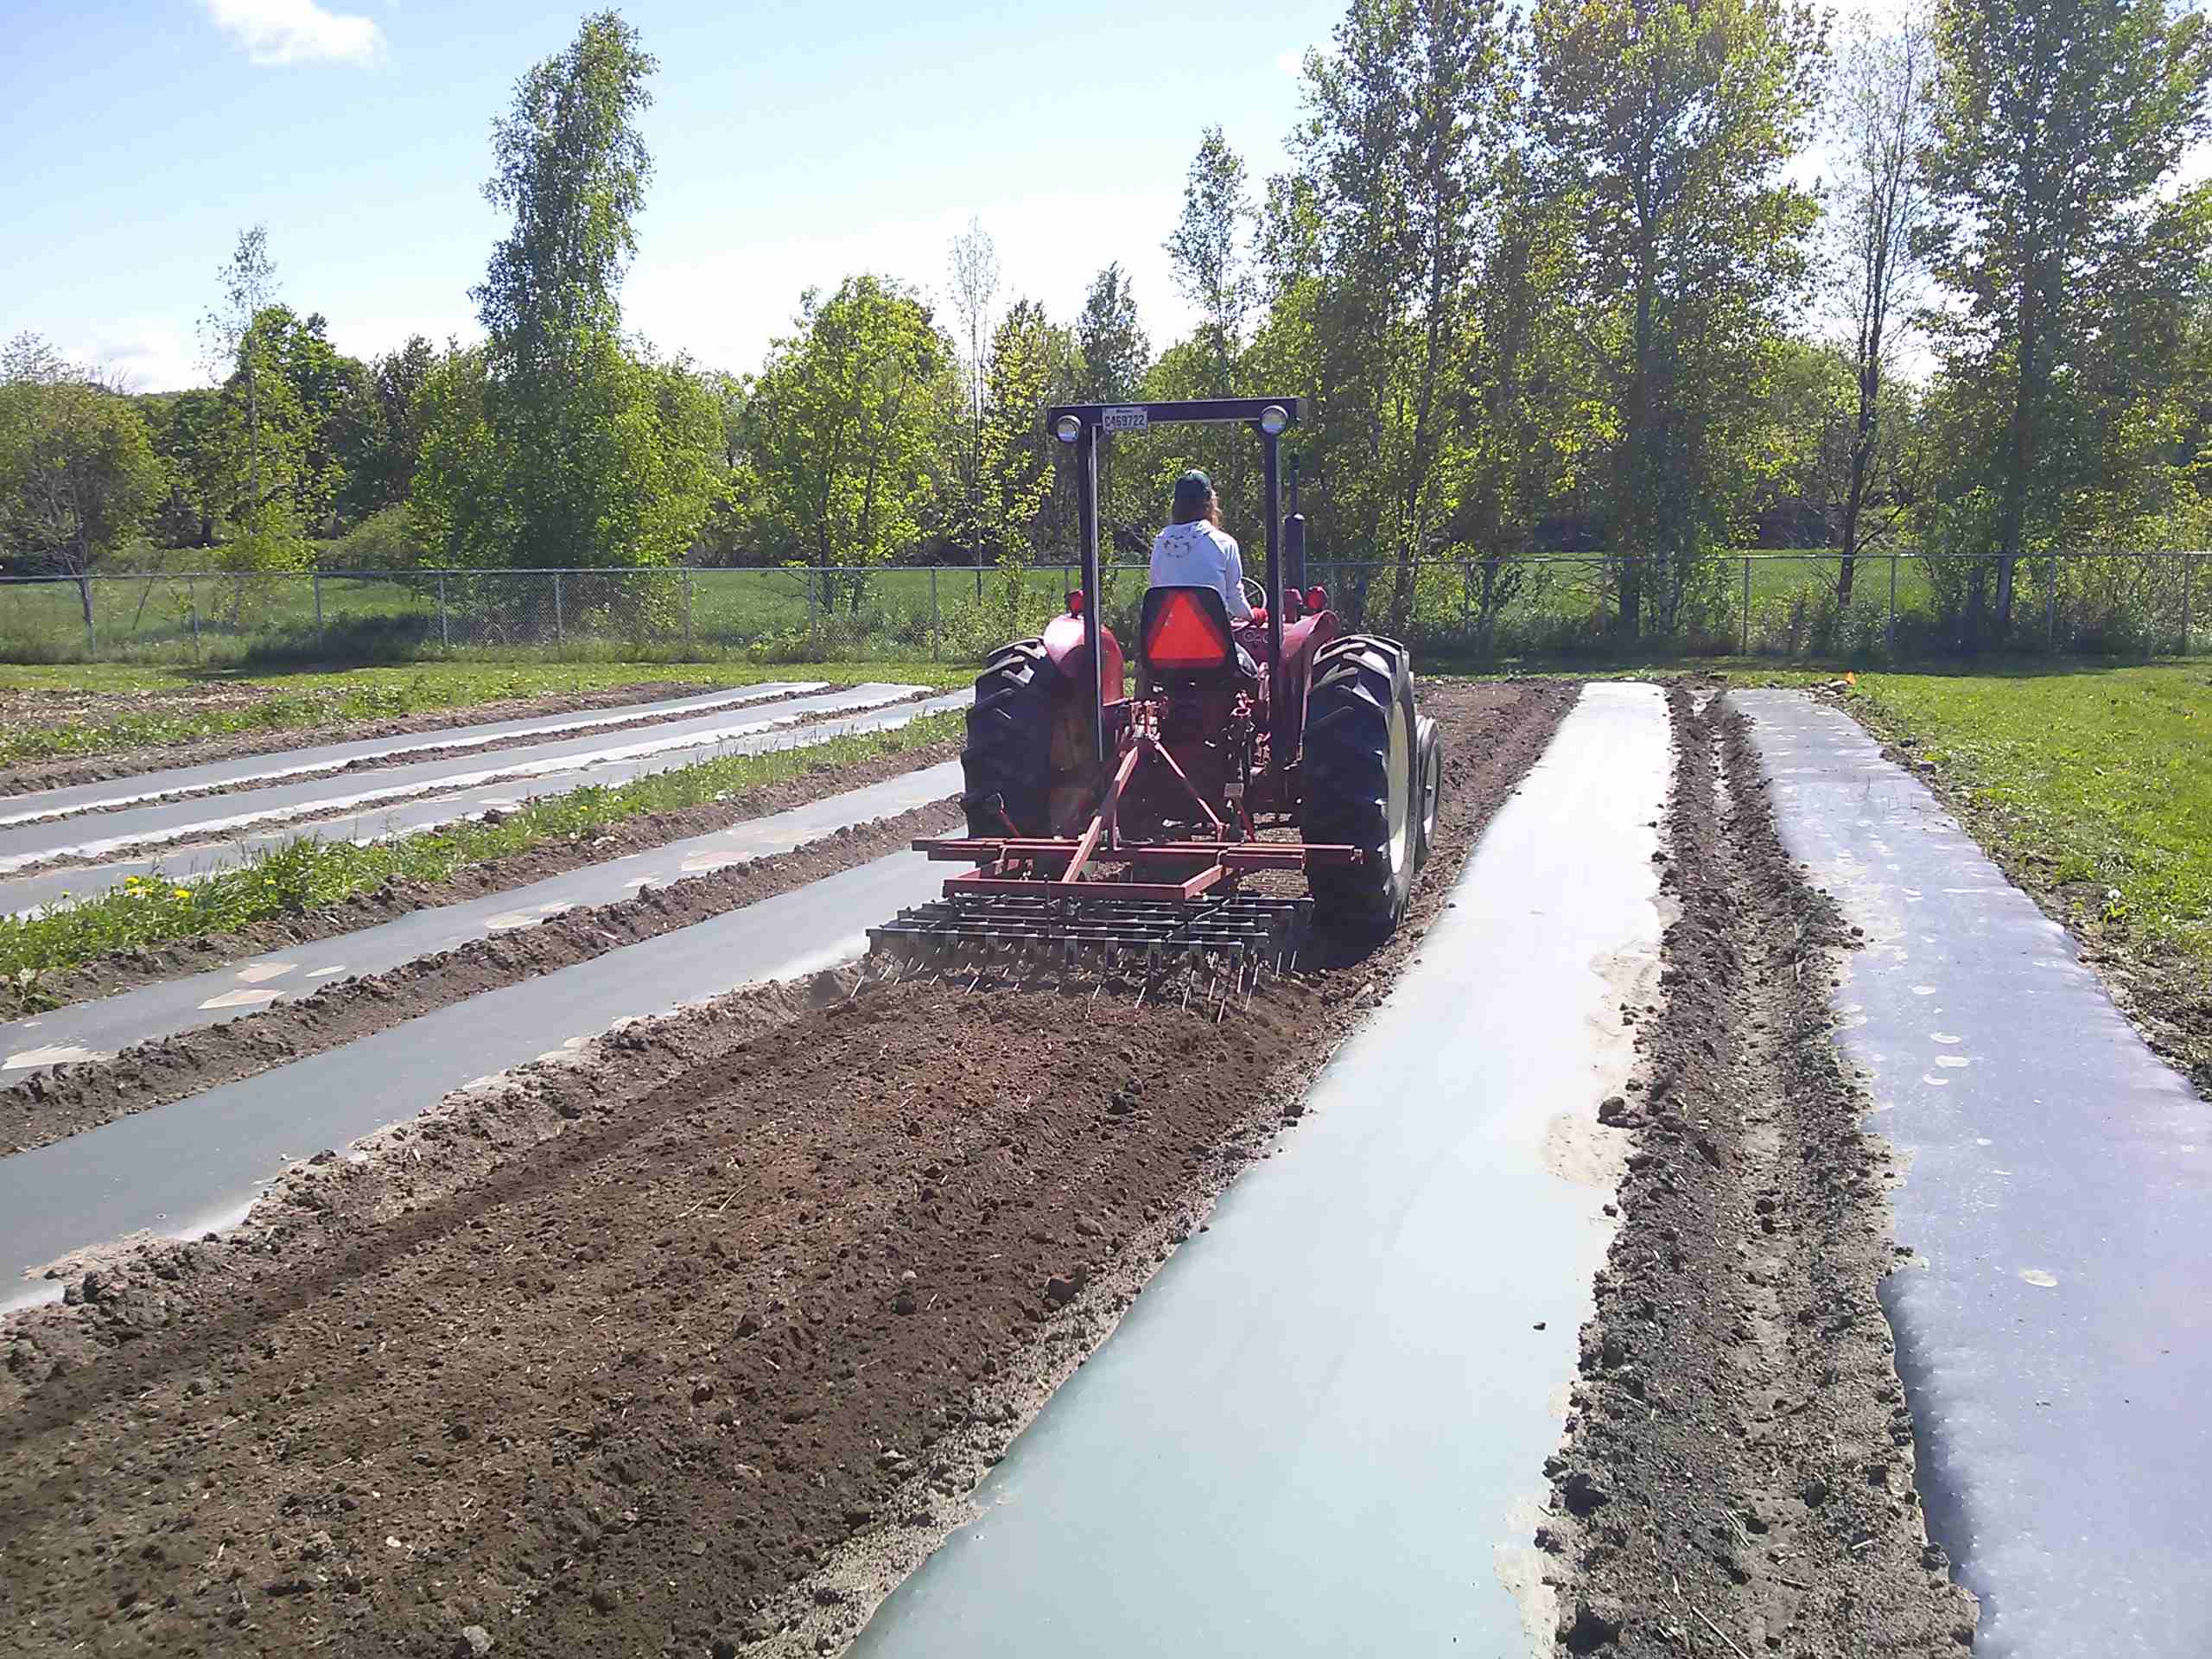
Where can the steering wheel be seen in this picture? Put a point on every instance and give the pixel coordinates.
(1255, 595)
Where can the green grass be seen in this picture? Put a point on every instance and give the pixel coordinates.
(317, 700)
(750, 612)
(306, 874)
(742, 611)
(2097, 783)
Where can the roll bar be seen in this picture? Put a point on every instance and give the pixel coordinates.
(1081, 425)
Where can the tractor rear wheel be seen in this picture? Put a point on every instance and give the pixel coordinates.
(1358, 783)
(1429, 767)
(1008, 761)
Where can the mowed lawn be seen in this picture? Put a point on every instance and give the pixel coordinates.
(2100, 779)
(2094, 788)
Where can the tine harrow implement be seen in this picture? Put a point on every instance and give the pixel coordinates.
(1079, 929)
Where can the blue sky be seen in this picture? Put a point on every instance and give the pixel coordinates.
(794, 143)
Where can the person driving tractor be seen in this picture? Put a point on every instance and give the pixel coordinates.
(1194, 551)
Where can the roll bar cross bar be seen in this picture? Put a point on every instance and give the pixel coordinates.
(1080, 425)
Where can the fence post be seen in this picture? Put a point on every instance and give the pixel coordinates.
(560, 629)
(92, 643)
(1747, 605)
(687, 610)
(445, 630)
(937, 624)
(1890, 633)
(812, 605)
(192, 604)
(316, 578)
(2188, 571)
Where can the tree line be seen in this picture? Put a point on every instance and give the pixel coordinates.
(1641, 278)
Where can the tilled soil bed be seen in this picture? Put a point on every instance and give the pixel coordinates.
(1738, 1469)
(56, 709)
(612, 1358)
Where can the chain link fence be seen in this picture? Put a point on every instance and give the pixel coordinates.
(1784, 606)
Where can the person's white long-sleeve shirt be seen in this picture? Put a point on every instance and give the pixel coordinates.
(1198, 556)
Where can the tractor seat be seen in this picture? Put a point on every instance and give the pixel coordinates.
(1184, 635)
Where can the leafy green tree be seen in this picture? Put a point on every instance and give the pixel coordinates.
(1668, 126)
(76, 473)
(640, 433)
(1527, 385)
(1399, 153)
(2059, 124)
(1112, 349)
(320, 383)
(974, 286)
(261, 440)
(182, 426)
(559, 444)
(1210, 254)
(1034, 363)
(845, 418)
(1112, 353)
(378, 430)
(571, 171)
(233, 351)
(1878, 121)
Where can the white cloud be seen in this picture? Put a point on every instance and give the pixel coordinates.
(297, 31)
(1291, 62)
(145, 354)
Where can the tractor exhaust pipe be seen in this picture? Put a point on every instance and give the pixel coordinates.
(1271, 464)
(1086, 465)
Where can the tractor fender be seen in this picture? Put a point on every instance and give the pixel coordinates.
(1064, 649)
(1300, 639)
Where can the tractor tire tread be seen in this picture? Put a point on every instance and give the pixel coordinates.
(1009, 753)
(1346, 779)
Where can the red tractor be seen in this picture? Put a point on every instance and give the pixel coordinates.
(1100, 819)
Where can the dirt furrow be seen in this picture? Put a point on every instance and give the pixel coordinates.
(1738, 1467)
(606, 1359)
